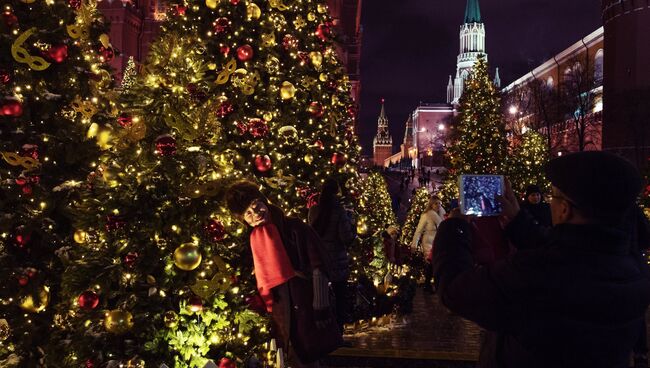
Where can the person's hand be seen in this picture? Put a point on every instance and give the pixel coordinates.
(509, 205)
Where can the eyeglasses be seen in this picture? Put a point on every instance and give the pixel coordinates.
(572, 203)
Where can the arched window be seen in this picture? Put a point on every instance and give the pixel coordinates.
(598, 66)
(550, 82)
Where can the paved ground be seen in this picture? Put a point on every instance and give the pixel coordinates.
(429, 337)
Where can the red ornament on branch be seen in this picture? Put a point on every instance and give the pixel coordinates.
(215, 230)
(74, 4)
(130, 259)
(234, 2)
(125, 120)
(263, 163)
(29, 150)
(179, 10)
(195, 304)
(339, 159)
(224, 50)
(12, 108)
(316, 109)
(290, 42)
(226, 108)
(9, 18)
(107, 53)
(227, 363)
(165, 145)
(245, 52)
(88, 300)
(323, 31)
(258, 128)
(221, 26)
(57, 53)
(5, 76)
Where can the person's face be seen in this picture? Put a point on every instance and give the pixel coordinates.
(561, 208)
(534, 198)
(257, 213)
(436, 205)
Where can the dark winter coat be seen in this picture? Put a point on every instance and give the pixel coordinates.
(336, 237)
(541, 212)
(571, 298)
(293, 315)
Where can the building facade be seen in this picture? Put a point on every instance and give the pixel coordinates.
(626, 129)
(562, 98)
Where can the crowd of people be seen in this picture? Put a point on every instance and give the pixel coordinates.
(571, 291)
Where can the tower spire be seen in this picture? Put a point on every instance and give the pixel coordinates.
(382, 114)
(497, 79)
(472, 12)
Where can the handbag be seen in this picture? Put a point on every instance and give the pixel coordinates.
(308, 341)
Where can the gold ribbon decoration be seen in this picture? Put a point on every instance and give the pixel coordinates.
(280, 180)
(86, 108)
(219, 282)
(76, 31)
(278, 4)
(246, 81)
(229, 69)
(15, 159)
(21, 55)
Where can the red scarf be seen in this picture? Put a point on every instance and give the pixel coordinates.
(272, 264)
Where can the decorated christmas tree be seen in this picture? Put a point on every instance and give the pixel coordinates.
(527, 163)
(418, 205)
(53, 103)
(129, 76)
(479, 140)
(231, 90)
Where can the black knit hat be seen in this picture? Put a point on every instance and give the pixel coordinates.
(602, 185)
(532, 189)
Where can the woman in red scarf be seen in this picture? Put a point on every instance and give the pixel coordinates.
(291, 274)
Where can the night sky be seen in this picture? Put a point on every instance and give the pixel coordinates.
(410, 47)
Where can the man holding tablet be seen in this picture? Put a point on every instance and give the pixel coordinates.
(573, 296)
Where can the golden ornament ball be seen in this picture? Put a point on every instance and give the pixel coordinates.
(267, 116)
(362, 228)
(322, 77)
(118, 321)
(171, 319)
(212, 4)
(28, 304)
(253, 11)
(5, 330)
(311, 17)
(287, 90)
(135, 363)
(316, 58)
(187, 256)
(309, 158)
(322, 8)
(80, 236)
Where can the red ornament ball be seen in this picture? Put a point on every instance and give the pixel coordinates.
(27, 189)
(11, 108)
(227, 363)
(90, 363)
(316, 109)
(88, 300)
(166, 145)
(130, 259)
(339, 159)
(179, 10)
(263, 163)
(75, 4)
(323, 31)
(22, 239)
(107, 53)
(245, 52)
(5, 76)
(290, 42)
(23, 280)
(221, 26)
(234, 2)
(352, 112)
(58, 53)
(258, 128)
(125, 120)
(226, 108)
(10, 19)
(215, 230)
(29, 150)
(319, 144)
(195, 304)
(224, 49)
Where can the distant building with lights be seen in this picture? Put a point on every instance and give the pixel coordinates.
(537, 96)
(426, 126)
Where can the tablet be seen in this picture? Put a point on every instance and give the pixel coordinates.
(478, 194)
